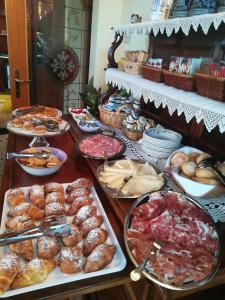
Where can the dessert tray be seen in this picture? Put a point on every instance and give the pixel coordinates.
(56, 277)
(36, 109)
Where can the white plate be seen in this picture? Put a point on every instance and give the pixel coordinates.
(162, 136)
(77, 119)
(57, 277)
(154, 153)
(21, 131)
(191, 187)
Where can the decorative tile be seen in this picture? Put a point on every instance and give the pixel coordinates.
(73, 38)
(71, 91)
(73, 18)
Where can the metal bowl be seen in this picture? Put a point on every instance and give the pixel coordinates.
(115, 193)
(116, 155)
(150, 274)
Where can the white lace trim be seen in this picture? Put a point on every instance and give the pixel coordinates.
(215, 206)
(170, 25)
(211, 112)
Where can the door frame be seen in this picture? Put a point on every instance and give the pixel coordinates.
(16, 22)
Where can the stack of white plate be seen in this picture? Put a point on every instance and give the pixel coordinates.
(160, 142)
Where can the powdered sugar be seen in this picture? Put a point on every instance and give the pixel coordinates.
(9, 263)
(37, 191)
(73, 255)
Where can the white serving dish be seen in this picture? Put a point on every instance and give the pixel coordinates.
(80, 116)
(57, 277)
(45, 171)
(88, 126)
(191, 187)
(155, 152)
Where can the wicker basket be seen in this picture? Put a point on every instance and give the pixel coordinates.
(121, 66)
(132, 67)
(133, 135)
(113, 119)
(151, 73)
(210, 86)
(179, 81)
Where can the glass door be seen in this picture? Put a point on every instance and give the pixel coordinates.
(58, 50)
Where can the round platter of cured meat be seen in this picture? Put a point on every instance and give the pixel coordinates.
(188, 246)
(102, 147)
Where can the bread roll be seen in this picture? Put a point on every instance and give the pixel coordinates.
(178, 159)
(189, 168)
(202, 157)
(221, 167)
(205, 172)
(194, 155)
(206, 180)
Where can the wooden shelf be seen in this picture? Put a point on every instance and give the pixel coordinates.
(211, 112)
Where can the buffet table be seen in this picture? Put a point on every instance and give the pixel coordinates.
(75, 167)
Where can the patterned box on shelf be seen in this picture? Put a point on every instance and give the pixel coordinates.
(150, 73)
(111, 118)
(132, 67)
(210, 86)
(179, 81)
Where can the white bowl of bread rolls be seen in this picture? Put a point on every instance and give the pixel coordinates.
(198, 182)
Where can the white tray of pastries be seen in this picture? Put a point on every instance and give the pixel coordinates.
(198, 182)
(92, 249)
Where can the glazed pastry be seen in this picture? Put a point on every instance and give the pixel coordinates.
(17, 122)
(101, 256)
(47, 246)
(178, 159)
(19, 223)
(79, 183)
(84, 213)
(82, 192)
(94, 238)
(206, 180)
(54, 197)
(71, 260)
(28, 125)
(202, 156)
(74, 238)
(34, 272)
(9, 267)
(54, 187)
(15, 197)
(78, 203)
(189, 168)
(90, 223)
(205, 172)
(39, 129)
(37, 196)
(54, 208)
(24, 249)
(26, 209)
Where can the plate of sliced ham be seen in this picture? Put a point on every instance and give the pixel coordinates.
(189, 255)
(100, 146)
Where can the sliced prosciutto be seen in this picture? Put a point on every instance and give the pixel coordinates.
(189, 240)
(100, 146)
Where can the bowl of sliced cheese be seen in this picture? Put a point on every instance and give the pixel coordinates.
(128, 178)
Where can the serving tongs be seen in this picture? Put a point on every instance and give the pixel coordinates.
(53, 226)
(135, 275)
(42, 154)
